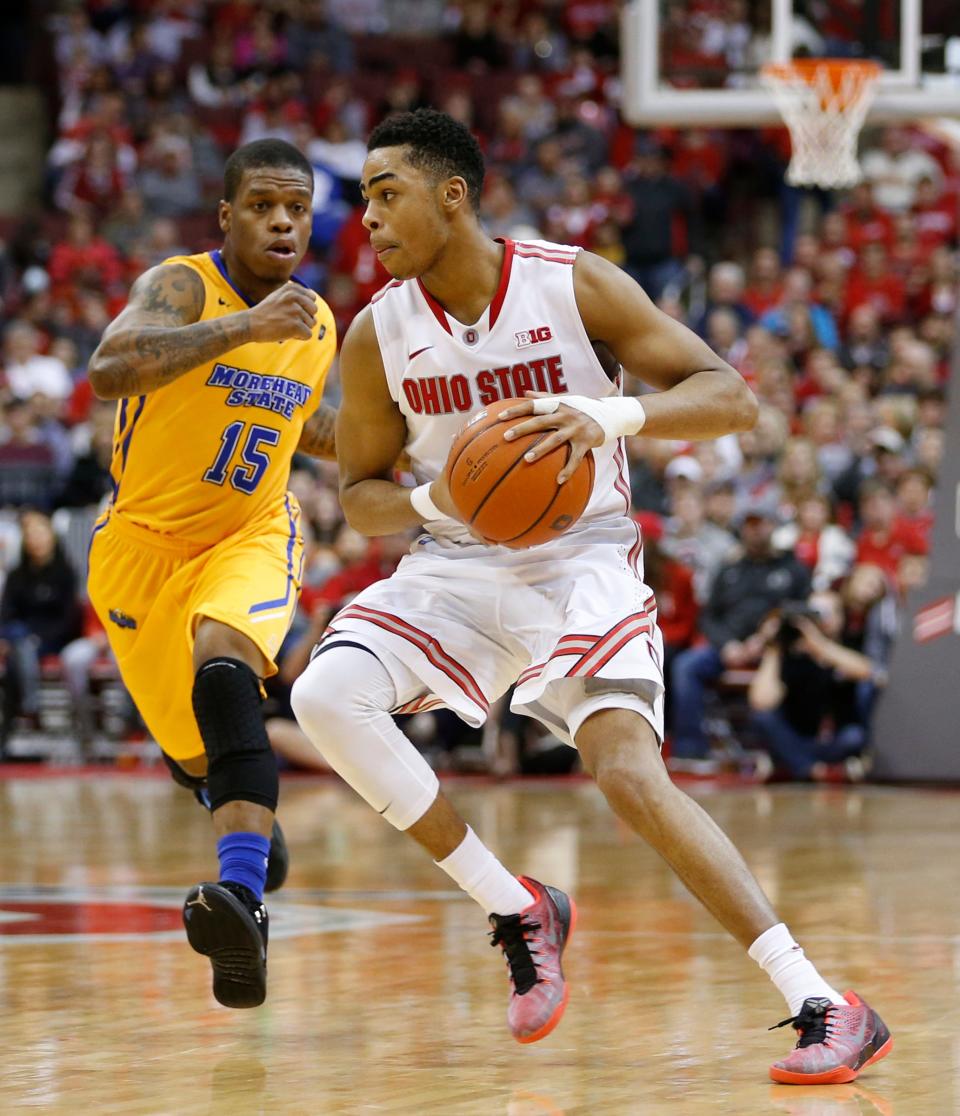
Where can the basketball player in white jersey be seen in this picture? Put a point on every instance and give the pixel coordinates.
(465, 322)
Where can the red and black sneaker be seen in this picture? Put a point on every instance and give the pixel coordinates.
(836, 1042)
(533, 943)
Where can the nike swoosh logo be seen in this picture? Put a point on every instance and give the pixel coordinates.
(417, 352)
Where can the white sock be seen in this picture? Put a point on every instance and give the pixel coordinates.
(477, 871)
(784, 962)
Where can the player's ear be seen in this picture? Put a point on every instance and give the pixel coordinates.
(454, 193)
(224, 212)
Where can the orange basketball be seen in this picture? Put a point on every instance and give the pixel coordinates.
(506, 499)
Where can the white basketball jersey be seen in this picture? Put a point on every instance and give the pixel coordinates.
(530, 338)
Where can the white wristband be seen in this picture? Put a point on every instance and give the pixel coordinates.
(424, 506)
(616, 415)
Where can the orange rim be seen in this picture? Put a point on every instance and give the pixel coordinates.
(837, 71)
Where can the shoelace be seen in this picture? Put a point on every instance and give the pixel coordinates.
(812, 1024)
(246, 896)
(510, 933)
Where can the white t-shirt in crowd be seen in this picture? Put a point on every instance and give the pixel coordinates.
(894, 178)
(43, 375)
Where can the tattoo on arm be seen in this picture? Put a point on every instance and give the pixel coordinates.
(174, 293)
(319, 433)
(158, 337)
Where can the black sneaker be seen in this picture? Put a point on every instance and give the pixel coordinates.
(225, 922)
(278, 859)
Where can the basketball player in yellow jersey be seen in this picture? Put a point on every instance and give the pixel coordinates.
(218, 363)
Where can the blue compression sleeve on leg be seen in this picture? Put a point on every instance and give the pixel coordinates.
(243, 860)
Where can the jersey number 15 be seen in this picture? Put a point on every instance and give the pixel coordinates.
(245, 477)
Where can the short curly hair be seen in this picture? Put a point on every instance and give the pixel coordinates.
(274, 153)
(436, 143)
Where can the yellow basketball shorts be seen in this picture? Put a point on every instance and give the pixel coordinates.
(151, 591)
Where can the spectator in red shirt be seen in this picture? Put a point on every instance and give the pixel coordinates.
(883, 538)
(833, 238)
(935, 216)
(907, 251)
(874, 282)
(610, 198)
(672, 584)
(866, 222)
(765, 288)
(573, 217)
(95, 180)
(939, 294)
(84, 259)
(823, 547)
(700, 160)
(806, 252)
(353, 256)
(915, 510)
(367, 561)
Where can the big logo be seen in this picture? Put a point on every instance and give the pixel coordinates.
(532, 336)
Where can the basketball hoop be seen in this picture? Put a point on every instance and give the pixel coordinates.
(824, 102)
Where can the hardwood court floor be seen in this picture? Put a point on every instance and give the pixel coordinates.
(385, 996)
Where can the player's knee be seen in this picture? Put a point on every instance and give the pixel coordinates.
(332, 694)
(216, 640)
(242, 766)
(327, 714)
(311, 700)
(183, 777)
(633, 794)
(631, 776)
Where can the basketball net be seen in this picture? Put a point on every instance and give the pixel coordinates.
(824, 103)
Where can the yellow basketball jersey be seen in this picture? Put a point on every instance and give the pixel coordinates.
(209, 453)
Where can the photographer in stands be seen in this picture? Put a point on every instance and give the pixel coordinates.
(807, 696)
(742, 594)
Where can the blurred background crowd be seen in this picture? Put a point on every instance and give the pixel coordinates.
(778, 557)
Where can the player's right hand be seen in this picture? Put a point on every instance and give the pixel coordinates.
(440, 495)
(289, 313)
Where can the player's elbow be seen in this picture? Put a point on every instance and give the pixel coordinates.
(356, 510)
(743, 405)
(102, 377)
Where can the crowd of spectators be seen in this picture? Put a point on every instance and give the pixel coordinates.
(840, 316)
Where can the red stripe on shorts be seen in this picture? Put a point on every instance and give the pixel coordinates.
(617, 648)
(568, 649)
(583, 664)
(430, 646)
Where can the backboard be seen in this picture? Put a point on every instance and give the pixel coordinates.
(697, 62)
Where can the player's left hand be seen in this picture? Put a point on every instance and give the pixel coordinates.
(567, 424)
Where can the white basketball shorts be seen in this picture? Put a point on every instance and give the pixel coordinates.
(571, 623)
